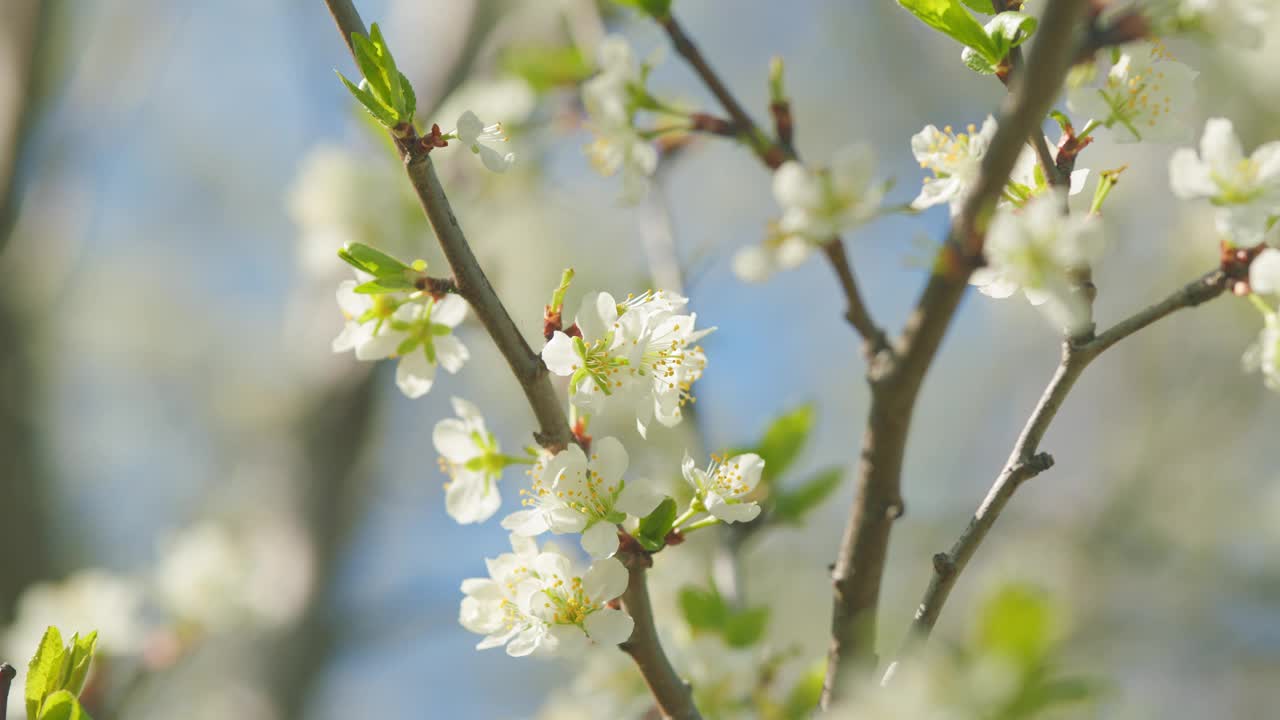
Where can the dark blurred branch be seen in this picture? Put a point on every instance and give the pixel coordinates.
(24, 478)
(1026, 460)
(896, 379)
(470, 279)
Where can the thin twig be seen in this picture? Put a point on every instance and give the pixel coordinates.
(859, 567)
(674, 697)
(7, 674)
(469, 278)
(1026, 460)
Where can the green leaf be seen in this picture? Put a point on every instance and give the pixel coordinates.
(784, 439)
(410, 98)
(983, 6)
(1020, 623)
(791, 506)
(652, 533)
(806, 693)
(547, 68)
(951, 18)
(385, 284)
(371, 62)
(62, 705)
(745, 628)
(657, 9)
(390, 74)
(380, 112)
(46, 671)
(82, 649)
(372, 261)
(703, 609)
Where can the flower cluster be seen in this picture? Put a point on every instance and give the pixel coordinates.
(639, 354)
(470, 456)
(816, 206)
(610, 101)
(723, 488)
(542, 603)
(1143, 97)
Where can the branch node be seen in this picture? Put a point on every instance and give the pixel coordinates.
(943, 564)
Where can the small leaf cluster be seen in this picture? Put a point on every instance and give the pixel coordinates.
(707, 611)
(389, 274)
(384, 91)
(780, 446)
(985, 46)
(56, 676)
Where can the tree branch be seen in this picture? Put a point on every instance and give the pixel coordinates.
(674, 697)
(1026, 461)
(895, 382)
(469, 277)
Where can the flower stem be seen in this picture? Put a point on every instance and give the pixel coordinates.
(703, 523)
(685, 517)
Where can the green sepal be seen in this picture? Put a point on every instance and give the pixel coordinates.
(791, 506)
(652, 533)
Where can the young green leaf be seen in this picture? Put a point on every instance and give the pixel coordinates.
(82, 649)
(62, 705)
(977, 62)
(703, 609)
(1008, 30)
(390, 74)
(783, 440)
(652, 533)
(951, 18)
(46, 671)
(791, 506)
(380, 112)
(372, 261)
(385, 284)
(745, 628)
(983, 6)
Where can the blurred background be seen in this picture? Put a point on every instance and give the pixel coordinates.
(256, 526)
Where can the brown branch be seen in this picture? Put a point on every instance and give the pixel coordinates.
(674, 697)
(895, 383)
(7, 674)
(1026, 461)
(468, 276)
(856, 312)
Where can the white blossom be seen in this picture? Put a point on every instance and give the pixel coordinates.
(1231, 23)
(481, 139)
(955, 159)
(469, 453)
(1264, 355)
(1145, 96)
(1245, 190)
(1264, 272)
(638, 354)
(816, 206)
(574, 493)
(417, 331)
(542, 603)
(723, 487)
(607, 98)
(88, 600)
(215, 576)
(1036, 248)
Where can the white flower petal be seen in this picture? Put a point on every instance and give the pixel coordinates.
(600, 540)
(414, 374)
(472, 498)
(451, 353)
(608, 626)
